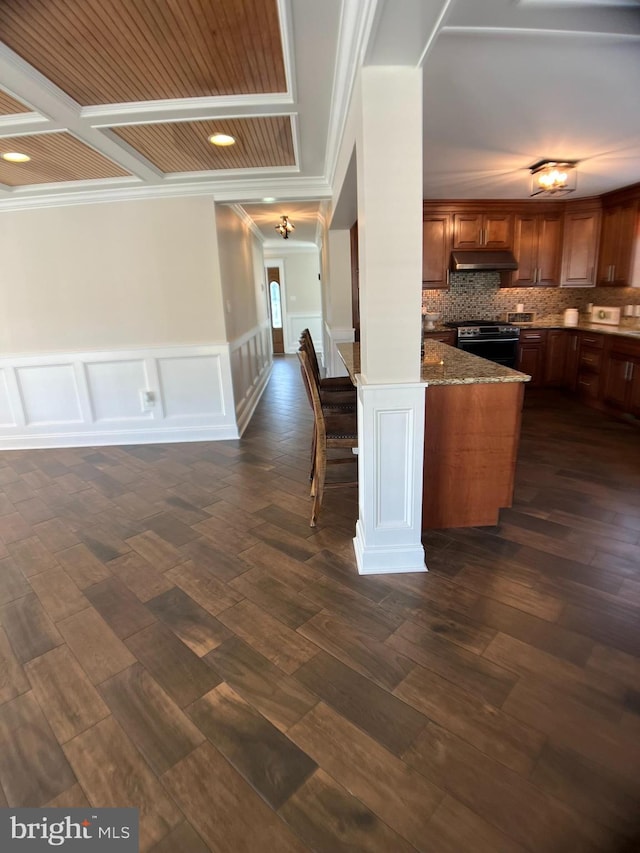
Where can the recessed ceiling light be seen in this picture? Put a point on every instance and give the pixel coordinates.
(16, 157)
(268, 199)
(222, 139)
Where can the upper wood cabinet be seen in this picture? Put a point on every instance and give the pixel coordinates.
(617, 243)
(436, 248)
(581, 236)
(537, 245)
(482, 230)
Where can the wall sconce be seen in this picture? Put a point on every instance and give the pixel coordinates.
(553, 177)
(285, 227)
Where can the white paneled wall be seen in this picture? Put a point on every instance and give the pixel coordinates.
(332, 360)
(93, 398)
(296, 322)
(251, 359)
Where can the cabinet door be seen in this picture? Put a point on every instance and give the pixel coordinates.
(555, 358)
(467, 230)
(608, 245)
(571, 359)
(531, 361)
(579, 248)
(525, 245)
(633, 405)
(549, 250)
(436, 248)
(616, 384)
(497, 230)
(627, 216)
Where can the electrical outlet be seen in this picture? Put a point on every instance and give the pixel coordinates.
(147, 400)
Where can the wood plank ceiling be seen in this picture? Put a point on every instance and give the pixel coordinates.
(119, 52)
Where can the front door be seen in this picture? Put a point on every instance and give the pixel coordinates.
(275, 310)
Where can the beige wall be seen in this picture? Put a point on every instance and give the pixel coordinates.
(241, 271)
(339, 280)
(108, 276)
(302, 287)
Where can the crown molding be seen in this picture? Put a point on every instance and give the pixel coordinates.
(274, 248)
(188, 109)
(244, 217)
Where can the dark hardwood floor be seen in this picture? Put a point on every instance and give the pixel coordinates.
(174, 636)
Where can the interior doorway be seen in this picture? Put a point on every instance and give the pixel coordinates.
(274, 287)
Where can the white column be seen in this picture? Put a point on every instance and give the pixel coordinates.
(390, 395)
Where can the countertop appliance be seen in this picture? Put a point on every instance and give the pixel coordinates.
(603, 314)
(488, 339)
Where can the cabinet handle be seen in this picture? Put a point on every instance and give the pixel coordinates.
(584, 382)
(532, 337)
(448, 273)
(575, 343)
(631, 365)
(613, 272)
(590, 276)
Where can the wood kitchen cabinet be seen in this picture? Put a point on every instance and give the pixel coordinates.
(436, 248)
(555, 356)
(537, 245)
(621, 376)
(617, 243)
(572, 352)
(531, 355)
(448, 337)
(580, 240)
(478, 230)
(590, 356)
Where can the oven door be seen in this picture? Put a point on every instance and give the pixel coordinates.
(501, 350)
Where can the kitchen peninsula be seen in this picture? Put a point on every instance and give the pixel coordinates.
(472, 430)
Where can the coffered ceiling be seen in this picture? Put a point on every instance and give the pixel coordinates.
(118, 98)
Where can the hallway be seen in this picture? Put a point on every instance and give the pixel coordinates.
(175, 637)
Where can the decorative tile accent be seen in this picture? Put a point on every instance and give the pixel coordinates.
(478, 296)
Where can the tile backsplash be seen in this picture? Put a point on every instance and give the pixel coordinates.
(478, 296)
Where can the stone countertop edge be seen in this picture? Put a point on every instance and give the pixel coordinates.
(445, 365)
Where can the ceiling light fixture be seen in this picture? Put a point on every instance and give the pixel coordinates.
(285, 227)
(222, 139)
(553, 177)
(16, 157)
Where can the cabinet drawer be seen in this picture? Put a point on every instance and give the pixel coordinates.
(590, 360)
(588, 385)
(533, 335)
(592, 340)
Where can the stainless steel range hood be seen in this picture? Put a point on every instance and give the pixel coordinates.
(469, 261)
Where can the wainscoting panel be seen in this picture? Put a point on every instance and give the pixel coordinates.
(140, 396)
(251, 360)
(332, 361)
(296, 323)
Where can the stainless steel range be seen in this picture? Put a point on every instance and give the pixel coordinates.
(494, 341)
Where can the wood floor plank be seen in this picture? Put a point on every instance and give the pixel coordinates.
(64, 692)
(183, 675)
(13, 583)
(13, 681)
(81, 566)
(183, 838)
(377, 661)
(167, 526)
(329, 818)
(401, 797)
(142, 579)
(278, 643)
(225, 811)
(72, 798)
(195, 626)
(29, 629)
(341, 569)
(479, 675)
(32, 556)
(387, 719)
(277, 598)
(204, 555)
(58, 593)
(13, 527)
(454, 828)
(280, 698)
(273, 765)
(33, 768)
(100, 652)
(55, 535)
(113, 773)
(155, 550)
(514, 744)
(152, 720)
(119, 607)
(507, 801)
(204, 587)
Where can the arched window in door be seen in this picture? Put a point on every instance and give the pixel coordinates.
(276, 305)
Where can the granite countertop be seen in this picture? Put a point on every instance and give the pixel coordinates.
(628, 328)
(444, 365)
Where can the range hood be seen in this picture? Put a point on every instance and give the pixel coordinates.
(469, 261)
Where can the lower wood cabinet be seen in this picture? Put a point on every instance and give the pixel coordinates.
(447, 337)
(531, 355)
(621, 376)
(590, 366)
(555, 372)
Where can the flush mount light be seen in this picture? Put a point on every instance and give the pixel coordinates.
(222, 139)
(285, 227)
(553, 177)
(16, 157)
(268, 199)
